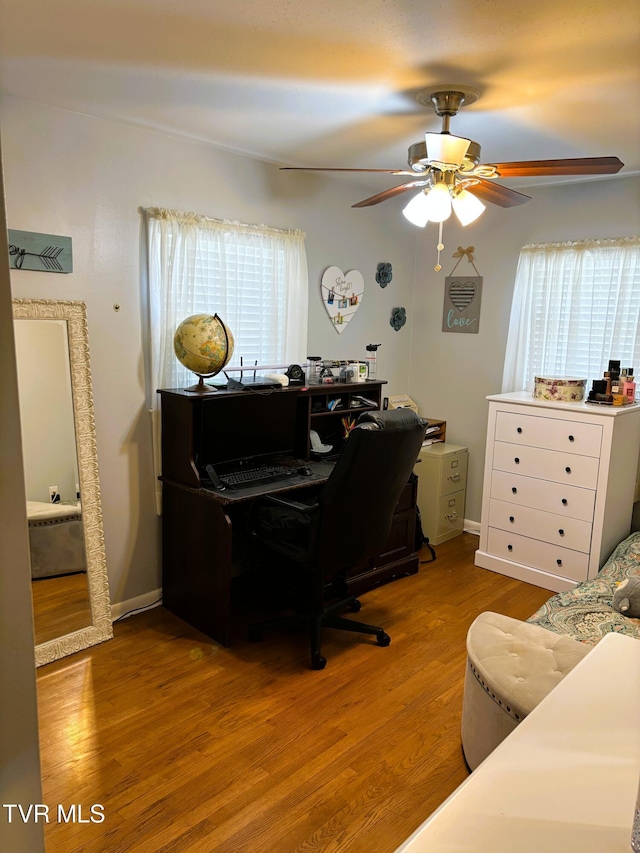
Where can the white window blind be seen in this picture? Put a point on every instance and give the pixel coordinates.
(575, 306)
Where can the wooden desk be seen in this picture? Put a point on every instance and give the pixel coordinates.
(200, 528)
(565, 780)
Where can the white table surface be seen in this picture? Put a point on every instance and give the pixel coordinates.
(565, 780)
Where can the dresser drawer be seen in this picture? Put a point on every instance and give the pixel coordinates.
(546, 464)
(540, 555)
(546, 526)
(549, 433)
(566, 501)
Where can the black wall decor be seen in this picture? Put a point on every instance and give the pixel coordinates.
(384, 274)
(398, 318)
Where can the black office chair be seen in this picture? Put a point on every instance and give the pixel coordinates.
(347, 522)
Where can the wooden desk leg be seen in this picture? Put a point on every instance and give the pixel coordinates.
(196, 562)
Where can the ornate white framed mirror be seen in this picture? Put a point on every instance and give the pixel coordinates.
(70, 586)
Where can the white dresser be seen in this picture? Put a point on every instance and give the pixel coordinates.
(559, 486)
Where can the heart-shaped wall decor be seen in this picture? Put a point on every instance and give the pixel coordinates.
(462, 294)
(342, 295)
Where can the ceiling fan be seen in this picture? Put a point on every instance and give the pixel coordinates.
(446, 169)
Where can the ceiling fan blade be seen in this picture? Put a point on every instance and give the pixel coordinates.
(338, 169)
(497, 194)
(390, 193)
(577, 166)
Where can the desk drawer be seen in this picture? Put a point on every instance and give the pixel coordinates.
(539, 555)
(579, 438)
(569, 501)
(551, 465)
(546, 526)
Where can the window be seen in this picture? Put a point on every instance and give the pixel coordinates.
(575, 306)
(253, 277)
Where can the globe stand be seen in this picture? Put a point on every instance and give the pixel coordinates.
(202, 387)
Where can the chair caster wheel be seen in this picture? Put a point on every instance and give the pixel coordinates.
(383, 638)
(318, 661)
(255, 635)
(355, 606)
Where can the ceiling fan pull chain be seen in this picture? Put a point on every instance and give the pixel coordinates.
(440, 247)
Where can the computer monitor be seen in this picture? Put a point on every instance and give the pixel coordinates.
(250, 426)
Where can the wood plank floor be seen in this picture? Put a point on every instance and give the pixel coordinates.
(192, 748)
(60, 606)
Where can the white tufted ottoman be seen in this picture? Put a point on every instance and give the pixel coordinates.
(511, 666)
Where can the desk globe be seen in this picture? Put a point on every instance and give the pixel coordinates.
(203, 344)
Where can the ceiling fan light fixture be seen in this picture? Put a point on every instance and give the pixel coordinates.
(467, 207)
(446, 151)
(416, 210)
(438, 203)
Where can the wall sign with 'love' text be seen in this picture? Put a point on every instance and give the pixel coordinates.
(461, 312)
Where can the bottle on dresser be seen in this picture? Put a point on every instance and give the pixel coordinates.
(629, 387)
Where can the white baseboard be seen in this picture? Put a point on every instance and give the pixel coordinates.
(471, 527)
(123, 609)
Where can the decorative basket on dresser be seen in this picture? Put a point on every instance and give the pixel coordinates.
(559, 487)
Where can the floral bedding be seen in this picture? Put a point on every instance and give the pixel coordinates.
(585, 613)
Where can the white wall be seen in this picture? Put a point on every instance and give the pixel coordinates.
(451, 374)
(86, 178)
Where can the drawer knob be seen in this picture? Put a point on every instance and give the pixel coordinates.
(568, 470)
(559, 562)
(561, 532)
(564, 501)
(517, 460)
(454, 477)
(571, 438)
(511, 519)
(509, 547)
(519, 430)
(514, 490)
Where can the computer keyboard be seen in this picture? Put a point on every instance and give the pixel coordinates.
(255, 476)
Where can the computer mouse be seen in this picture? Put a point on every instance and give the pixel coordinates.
(305, 471)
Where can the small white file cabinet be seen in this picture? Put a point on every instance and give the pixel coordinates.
(559, 487)
(442, 483)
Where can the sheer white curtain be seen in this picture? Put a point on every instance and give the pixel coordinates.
(253, 276)
(575, 306)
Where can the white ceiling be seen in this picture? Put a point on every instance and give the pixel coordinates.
(332, 82)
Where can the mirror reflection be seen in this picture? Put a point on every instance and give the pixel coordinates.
(69, 578)
(54, 506)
